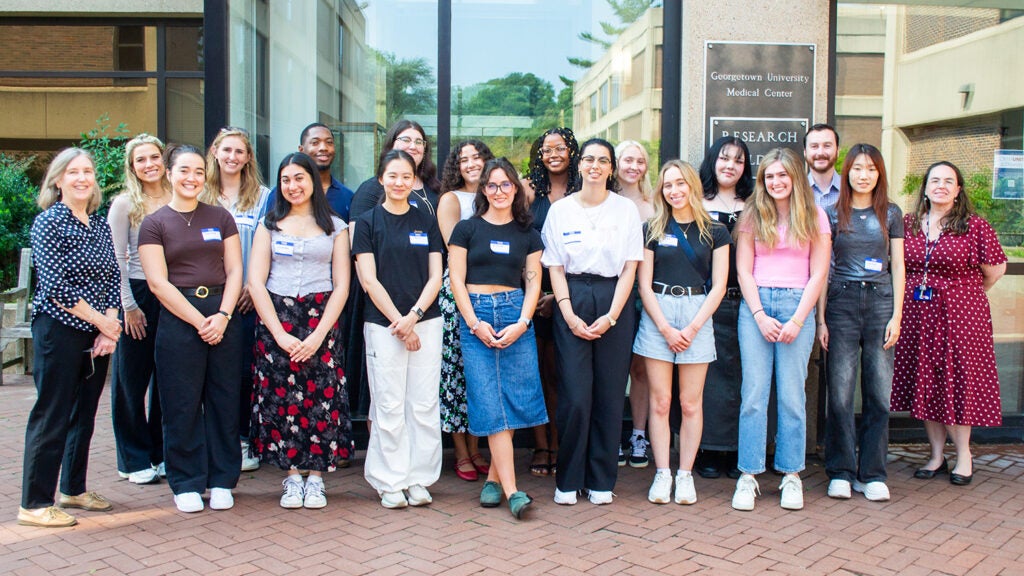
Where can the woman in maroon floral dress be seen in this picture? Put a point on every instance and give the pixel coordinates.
(300, 254)
(945, 363)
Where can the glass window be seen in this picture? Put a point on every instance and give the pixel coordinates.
(185, 48)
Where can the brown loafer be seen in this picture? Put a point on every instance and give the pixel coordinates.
(49, 517)
(86, 501)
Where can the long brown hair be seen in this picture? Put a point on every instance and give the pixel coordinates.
(957, 220)
(249, 190)
(879, 196)
(763, 218)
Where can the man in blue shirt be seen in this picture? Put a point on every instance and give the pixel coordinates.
(317, 141)
(821, 148)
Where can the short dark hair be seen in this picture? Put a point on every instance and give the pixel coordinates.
(708, 178)
(305, 131)
(392, 155)
(818, 128)
(520, 209)
(281, 208)
(613, 183)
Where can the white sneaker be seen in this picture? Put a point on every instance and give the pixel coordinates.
(249, 463)
(565, 498)
(144, 476)
(746, 491)
(839, 489)
(315, 497)
(685, 492)
(418, 496)
(600, 497)
(873, 491)
(189, 502)
(221, 499)
(393, 499)
(292, 492)
(124, 475)
(792, 492)
(661, 488)
(161, 470)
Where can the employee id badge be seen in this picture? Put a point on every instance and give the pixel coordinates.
(282, 248)
(211, 235)
(873, 264)
(669, 240)
(500, 247)
(923, 293)
(418, 238)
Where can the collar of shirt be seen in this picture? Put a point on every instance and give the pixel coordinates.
(834, 187)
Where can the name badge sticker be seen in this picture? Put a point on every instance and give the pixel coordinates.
(572, 237)
(282, 248)
(714, 215)
(413, 203)
(873, 264)
(245, 220)
(500, 247)
(211, 235)
(418, 238)
(669, 240)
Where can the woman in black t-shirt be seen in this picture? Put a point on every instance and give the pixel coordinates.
(686, 250)
(398, 258)
(490, 256)
(192, 258)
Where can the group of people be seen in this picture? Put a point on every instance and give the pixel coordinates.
(487, 301)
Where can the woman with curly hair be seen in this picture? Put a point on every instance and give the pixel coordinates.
(553, 175)
(459, 184)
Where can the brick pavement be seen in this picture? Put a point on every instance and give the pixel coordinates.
(927, 528)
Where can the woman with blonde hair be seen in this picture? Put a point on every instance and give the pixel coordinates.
(682, 281)
(782, 258)
(139, 439)
(74, 329)
(234, 183)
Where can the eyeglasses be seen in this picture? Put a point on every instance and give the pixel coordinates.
(560, 149)
(603, 161)
(418, 142)
(492, 188)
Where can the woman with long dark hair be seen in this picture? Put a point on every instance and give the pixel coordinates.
(859, 316)
(298, 279)
(945, 372)
(491, 256)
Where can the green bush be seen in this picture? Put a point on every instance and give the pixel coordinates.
(1006, 216)
(17, 210)
(107, 148)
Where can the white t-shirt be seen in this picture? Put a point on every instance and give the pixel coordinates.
(598, 240)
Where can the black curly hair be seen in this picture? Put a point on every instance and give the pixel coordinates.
(538, 173)
(451, 175)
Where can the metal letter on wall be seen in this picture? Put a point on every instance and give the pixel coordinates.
(762, 93)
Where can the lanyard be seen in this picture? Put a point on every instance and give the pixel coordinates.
(929, 246)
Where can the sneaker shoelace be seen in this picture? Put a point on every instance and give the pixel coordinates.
(315, 489)
(293, 488)
(639, 446)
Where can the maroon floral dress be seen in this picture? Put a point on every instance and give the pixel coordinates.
(945, 362)
(300, 417)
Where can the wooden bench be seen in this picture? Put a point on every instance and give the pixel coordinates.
(19, 332)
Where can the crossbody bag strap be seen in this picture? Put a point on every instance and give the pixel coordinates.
(690, 254)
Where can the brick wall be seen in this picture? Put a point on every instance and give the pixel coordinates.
(970, 145)
(79, 48)
(928, 25)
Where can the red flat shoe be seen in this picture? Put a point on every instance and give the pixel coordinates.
(480, 464)
(470, 475)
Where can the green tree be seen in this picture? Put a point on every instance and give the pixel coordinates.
(627, 12)
(517, 94)
(107, 148)
(17, 211)
(410, 86)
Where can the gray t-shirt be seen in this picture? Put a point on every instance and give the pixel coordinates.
(861, 253)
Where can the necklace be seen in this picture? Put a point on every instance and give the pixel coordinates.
(425, 199)
(188, 221)
(593, 224)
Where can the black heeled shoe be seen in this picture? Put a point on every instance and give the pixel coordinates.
(926, 474)
(961, 479)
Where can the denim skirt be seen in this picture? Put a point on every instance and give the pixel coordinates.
(679, 311)
(503, 390)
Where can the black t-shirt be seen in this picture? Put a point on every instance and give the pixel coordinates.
(496, 253)
(193, 245)
(672, 267)
(729, 219)
(401, 246)
(370, 194)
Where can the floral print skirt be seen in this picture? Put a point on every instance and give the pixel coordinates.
(453, 381)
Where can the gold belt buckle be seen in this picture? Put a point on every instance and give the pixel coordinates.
(202, 292)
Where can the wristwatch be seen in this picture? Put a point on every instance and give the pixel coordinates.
(611, 321)
(225, 314)
(528, 321)
(417, 311)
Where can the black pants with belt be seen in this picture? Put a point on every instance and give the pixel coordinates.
(199, 399)
(591, 387)
(69, 383)
(139, 438)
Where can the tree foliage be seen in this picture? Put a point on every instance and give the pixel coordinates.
(1006, 216)
(17, 210)
(107, 148)
(516, 94)
(410, 86)
(627, 12)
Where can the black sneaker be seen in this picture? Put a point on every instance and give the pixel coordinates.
(638, 452)
(622, 457)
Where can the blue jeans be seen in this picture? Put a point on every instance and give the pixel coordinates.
(856, 316)
(789, 364)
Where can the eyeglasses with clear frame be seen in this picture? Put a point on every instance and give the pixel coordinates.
(492, 187)
(603, 161)
(418, 142)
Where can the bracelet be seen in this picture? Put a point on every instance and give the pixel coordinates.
(224, 314)
(475, 326)
(560, 300)
(756, 311)
(797, 322)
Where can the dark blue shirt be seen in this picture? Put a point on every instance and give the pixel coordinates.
(338, 196)
(74, 262)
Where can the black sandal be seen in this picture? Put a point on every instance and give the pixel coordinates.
(539, 469)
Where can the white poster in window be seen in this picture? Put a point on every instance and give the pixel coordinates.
(1008, 175)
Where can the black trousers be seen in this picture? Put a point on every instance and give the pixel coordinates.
(591, 388)
(722, 388)
(69, 383)
(199, 398)
(139, 437)
(247, 347)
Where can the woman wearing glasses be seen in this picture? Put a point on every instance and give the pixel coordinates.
(491, 255)
(235, 184)
(554, 174)
(592, 243)
(74, 331)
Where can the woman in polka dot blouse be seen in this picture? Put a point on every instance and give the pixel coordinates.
(945, 364)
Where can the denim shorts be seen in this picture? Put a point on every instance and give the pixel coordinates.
(678, 310)
(503, 390)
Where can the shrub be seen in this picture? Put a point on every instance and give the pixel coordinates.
(107, 148)
(17, 210)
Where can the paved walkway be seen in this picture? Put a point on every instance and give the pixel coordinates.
(927, 528)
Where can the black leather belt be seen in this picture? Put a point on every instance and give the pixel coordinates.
(678, 290)
(203, 291)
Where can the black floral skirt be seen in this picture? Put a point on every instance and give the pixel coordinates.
(300, 417)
